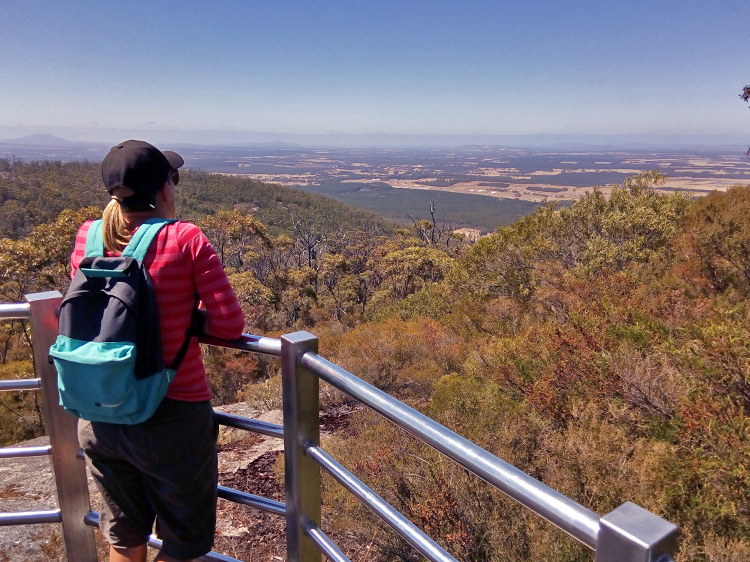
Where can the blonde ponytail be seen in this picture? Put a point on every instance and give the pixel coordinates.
(115, 227)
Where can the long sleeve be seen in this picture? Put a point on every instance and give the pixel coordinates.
(225, 318)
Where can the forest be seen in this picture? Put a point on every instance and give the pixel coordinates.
(603, 348)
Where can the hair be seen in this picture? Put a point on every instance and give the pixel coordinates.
(115, 227)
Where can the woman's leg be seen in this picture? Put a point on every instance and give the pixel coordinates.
(132, 554)
(181, 477)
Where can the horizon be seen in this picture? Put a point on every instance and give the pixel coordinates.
(50, 137)
(417, 72)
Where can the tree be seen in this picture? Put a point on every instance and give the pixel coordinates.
(497, 265)
(404, 272)
(432, 233)
(338, 285)
(745, 95)
(232, 234)
(308, 238)
(632, 225)
(34, 193)
(56, 240)
(715, 241)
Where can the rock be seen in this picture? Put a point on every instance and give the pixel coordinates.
(27, 484)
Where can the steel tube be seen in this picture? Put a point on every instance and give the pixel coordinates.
(92, 520)
(20, 452)
(215, 557)
(581, 523)
(212, 556)
(247, 342)
(249, 424)
(15, 311)
(21, 384)
(411, 533)
(301, 425)
(259, 502)
(325, 544)
(30, 517)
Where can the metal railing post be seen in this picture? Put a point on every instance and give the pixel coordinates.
(69, 470)
(632, 534)
(301, 428)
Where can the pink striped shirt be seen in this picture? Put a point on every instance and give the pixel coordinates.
(182, 264)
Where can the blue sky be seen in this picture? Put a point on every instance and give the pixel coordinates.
(396, 67)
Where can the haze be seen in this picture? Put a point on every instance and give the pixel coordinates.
(386, 72)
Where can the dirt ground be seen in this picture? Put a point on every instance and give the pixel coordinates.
(541, 191)
(249, 463)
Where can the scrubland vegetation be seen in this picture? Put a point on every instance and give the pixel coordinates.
(602, 348)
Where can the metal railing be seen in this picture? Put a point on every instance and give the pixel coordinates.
(627, 534)
(68, 467)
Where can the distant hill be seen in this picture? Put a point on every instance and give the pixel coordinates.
(41, 140)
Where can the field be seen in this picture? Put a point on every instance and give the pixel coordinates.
(481, 186)
(472, 186)
(453, 208)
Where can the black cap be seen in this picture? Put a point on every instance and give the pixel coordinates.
(139, 167)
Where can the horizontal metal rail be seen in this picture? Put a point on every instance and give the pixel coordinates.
(247, 342)
(249, 424)
(30, 517)
(325, 544)
(579, 522)
(92, 519)
(21, 384)
(20, 452)
(212, 556)
(15, 311)
(259, 502)
(412, 534)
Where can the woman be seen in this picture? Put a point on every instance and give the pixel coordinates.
(163, 470)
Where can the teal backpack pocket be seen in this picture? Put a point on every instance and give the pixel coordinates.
(95, 379)
(150, 392)
(96, 383)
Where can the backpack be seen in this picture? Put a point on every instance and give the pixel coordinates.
(108, 352)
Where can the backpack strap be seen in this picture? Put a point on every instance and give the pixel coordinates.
(142, 238)
(139, 242)
(137, 248)
(95, 240)
(192, 330)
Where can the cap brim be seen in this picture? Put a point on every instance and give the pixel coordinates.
(174, 159)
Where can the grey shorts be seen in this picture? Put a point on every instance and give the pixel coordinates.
(161, 471)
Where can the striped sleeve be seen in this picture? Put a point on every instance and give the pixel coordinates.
(225, 316)
(79, 249)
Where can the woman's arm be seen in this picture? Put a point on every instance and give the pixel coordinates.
(223, 317)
